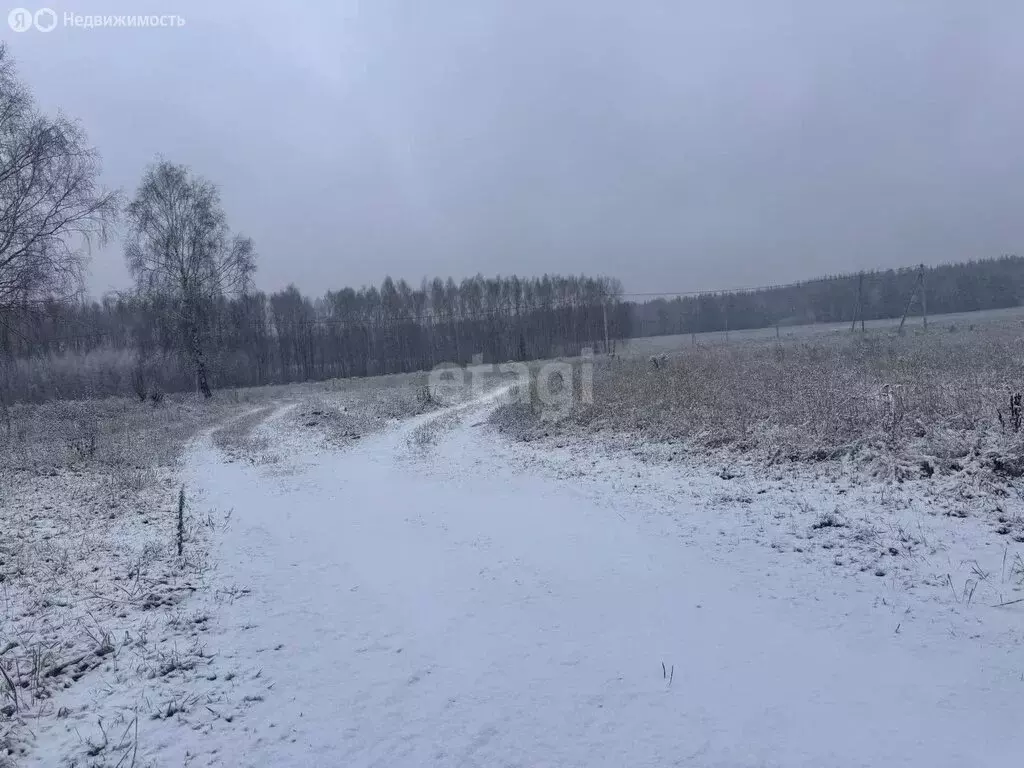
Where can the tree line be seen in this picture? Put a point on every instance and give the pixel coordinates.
(193, 318)
(969, 286)
(194, 321)
(256, 338)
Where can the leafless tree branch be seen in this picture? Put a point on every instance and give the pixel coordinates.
(52, 207)
(180, 250)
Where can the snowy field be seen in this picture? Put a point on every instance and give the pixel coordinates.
(369, 579)
(652, 345)
(103, 623)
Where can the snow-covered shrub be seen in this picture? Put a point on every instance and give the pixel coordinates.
(934, 396)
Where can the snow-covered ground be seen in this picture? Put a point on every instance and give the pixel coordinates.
(437, 595)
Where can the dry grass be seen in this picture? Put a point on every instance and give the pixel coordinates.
(87, 553)
(91, 579)
(427, 435)
(100, 373)
(239, 436)
(112, 434)
(930, 397)
(347, 410)
(89, 565)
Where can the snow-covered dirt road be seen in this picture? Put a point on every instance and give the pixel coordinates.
(429, 597)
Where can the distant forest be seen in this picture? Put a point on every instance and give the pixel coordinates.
(255, 338)
(194, 321)
(966, 287)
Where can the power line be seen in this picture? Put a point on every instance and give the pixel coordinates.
(433, 316)
(621, 294)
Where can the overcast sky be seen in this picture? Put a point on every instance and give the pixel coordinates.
(676, 145)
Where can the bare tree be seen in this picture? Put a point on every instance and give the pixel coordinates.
(180, 251)
(52, 207)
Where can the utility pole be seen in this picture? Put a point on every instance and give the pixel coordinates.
(918, 288)
(858, 311)
(924, 298)
(604, 312)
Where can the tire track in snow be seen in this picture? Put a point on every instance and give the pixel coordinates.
(448, 608)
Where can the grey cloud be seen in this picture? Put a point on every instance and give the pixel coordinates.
(677, 145)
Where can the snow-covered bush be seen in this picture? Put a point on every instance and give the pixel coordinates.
(934, 396)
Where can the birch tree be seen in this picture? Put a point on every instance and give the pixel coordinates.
(180, 249)
(52, 207)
